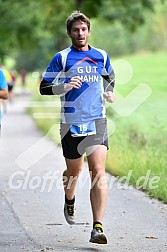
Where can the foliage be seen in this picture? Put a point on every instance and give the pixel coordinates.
(29, 26)
(117, 40)
(129, 13)
(19, 25)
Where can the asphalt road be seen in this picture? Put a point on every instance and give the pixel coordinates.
(32, 199)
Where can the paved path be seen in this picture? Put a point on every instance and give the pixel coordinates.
(32, 198)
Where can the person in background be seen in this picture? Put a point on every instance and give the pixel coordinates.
(11, 84)
(79, 70)
(8, 78)
(3, 90)
(23, 78)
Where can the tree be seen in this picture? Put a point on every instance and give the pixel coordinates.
(130, 13)
(19, 24)
(40, 24)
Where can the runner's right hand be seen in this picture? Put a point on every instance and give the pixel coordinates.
(75, 82)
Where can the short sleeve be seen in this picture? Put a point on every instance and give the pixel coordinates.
(54, 68)
(3, 83)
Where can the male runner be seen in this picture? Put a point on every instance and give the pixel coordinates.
(78, 70)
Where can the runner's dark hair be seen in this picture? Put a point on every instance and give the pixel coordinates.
(77, 16)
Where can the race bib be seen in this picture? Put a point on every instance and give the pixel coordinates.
(84, 129)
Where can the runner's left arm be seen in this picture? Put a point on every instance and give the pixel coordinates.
(108, 76)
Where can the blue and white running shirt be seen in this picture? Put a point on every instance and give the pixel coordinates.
(86, 103)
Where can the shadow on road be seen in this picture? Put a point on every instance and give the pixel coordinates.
(83, 249)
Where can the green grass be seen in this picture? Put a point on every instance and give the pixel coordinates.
(139, 142)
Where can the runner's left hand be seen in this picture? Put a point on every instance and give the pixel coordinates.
(109, 96)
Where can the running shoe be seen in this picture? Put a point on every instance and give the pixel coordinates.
(97, 235)
(70, 213)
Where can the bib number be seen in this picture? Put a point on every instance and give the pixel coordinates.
(84, 129)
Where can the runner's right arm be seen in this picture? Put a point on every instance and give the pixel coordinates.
(53, 74)
(4, 93)
(47, 88)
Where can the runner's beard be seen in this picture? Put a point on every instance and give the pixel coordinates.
(79, 44)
